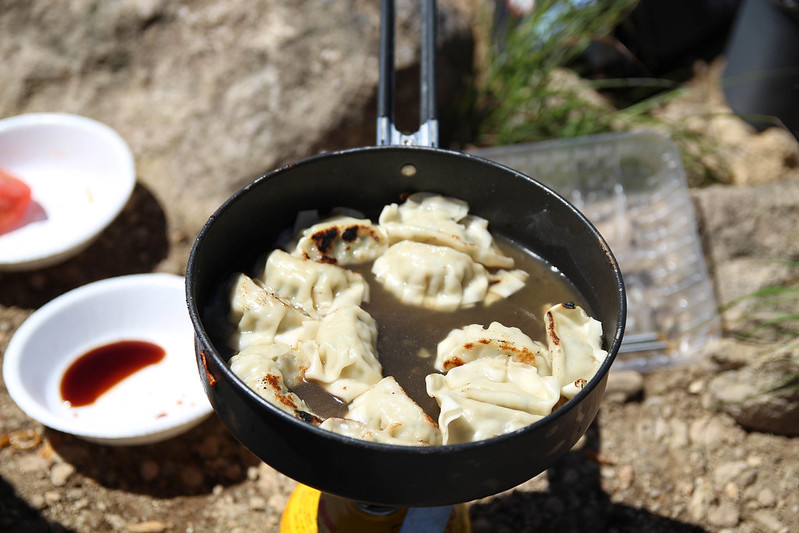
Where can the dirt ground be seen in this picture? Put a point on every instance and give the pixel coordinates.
(656, 459)
(658, 462)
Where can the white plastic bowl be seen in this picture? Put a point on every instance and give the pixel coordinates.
(155, 403)
(81, 174)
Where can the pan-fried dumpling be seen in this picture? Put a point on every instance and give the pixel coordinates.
(431, 276)
(474, 342)
(317, 288)
(358, 430)
(270, 370)
(260, 316)
(488, 397)
(504, 283)
(436, 219)
(342, 240)
(344, 361)
(465, 420)
(386, 407)
(575, 345)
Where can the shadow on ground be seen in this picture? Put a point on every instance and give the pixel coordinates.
(190, 464)
(574, 503)
(134, 243)
(16, 516)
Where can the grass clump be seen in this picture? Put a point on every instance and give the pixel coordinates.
(770, 314)
(524, 96)
(531, 87)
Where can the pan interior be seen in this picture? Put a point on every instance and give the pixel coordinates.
(408, 335)
(519, 210)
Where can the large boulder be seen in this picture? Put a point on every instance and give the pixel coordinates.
(209, 94)
(750, 235)
(752, 247)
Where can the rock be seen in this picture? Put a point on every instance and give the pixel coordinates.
(626, 475)
(696, 387)
(711, 432)
(725, 514)
(210, 95)
(729, 353)
(678, 434)
(766, 498)
(257, 503)
(60, 473)
(729, 472)
(52, 497)
(192, 477)
(701, 498)
(751, 396)
(33, 464)
(233, 472)
(116, 522)
(149, 526)
(38, 501)
(623, 386)
(149, 470)
(752, 231)
(749, 229)
(726, 145)
(209, 448)
(278, 501)
(768, 520)
(765, 157)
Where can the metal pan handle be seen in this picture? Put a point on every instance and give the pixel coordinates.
(427, 134)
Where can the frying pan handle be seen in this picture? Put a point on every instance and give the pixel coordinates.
(427, 134)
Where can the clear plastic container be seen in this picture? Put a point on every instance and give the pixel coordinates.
(632, 187)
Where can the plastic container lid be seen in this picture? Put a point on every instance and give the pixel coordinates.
(632, 187)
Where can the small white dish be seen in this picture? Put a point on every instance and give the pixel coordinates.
(81, 174)
(155, 403)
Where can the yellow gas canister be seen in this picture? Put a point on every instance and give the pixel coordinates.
(311, 511)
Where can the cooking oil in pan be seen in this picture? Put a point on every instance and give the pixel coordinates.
(311, 511)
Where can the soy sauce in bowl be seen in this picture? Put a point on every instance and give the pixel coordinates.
(98, 370)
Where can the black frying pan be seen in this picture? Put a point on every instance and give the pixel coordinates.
(517, 206)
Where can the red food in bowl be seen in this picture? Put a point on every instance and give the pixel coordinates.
(15, 197)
